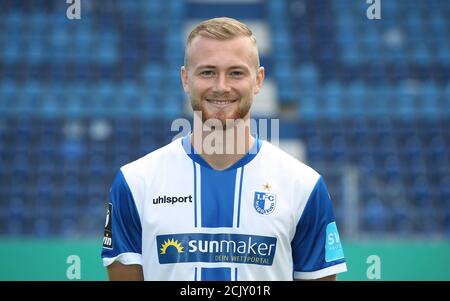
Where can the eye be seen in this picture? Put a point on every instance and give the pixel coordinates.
(236, 73)
(207, 73)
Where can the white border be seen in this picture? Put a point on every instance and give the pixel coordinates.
(334, 269)
(124, 258)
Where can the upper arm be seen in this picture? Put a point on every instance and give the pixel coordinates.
(122, 241)
(316, 247)
(122, 272)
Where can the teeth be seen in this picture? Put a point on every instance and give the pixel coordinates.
(220, 102)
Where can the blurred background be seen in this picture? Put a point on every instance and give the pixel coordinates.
(364, 102)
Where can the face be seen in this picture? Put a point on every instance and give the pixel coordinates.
(222, 77)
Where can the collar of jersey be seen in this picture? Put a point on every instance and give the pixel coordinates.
(190, 151)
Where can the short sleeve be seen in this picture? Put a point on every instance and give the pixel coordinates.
(122, 240)
(316, 248)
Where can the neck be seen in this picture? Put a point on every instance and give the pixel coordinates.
(222, 148)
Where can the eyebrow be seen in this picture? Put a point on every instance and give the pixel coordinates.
(215, 67)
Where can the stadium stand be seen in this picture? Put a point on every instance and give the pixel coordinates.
(80, 98)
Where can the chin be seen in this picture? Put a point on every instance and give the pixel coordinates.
(223, 116)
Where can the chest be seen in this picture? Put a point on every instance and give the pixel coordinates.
(238, 201)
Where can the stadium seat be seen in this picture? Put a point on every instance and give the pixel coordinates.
(373, 95)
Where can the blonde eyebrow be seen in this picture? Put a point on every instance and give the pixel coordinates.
(215, 67)
(206, 67)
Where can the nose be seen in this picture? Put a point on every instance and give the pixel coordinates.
(221, 84)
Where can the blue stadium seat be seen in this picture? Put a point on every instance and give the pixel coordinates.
(372, 94)
(376, 216)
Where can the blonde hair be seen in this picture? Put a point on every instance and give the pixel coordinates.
(220, 29)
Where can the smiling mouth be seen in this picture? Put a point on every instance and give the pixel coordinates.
(220, 102)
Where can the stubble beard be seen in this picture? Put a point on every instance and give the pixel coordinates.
(240, 113)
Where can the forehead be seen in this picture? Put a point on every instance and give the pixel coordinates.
(222, 53)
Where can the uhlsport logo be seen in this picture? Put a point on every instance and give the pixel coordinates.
(172, 199)
(221, 247)
(264, 202)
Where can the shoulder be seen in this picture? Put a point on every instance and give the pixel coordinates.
(172, 149)
(150, 164)
(138, 176)
(289, 166)
(297, 180)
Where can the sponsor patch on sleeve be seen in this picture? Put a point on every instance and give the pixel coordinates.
(107, 236)
(333, 247)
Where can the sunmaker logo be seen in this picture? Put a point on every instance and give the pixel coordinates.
(172, 199)
(223, 247)
(171, 243)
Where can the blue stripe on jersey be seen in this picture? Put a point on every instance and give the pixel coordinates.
(240, 194)
(126, 224)
(309, 243)
(217, 187)
(195, 195)
(216, 274)
(217, 193)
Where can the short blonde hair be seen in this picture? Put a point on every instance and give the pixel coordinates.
(221, 29)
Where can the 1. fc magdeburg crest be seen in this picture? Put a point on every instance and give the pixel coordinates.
(264, 202)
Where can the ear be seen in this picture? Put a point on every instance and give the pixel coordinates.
(259, 80)
(184, 79)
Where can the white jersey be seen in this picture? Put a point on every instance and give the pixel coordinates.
(267, 217)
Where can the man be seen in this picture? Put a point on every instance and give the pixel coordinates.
(244, 210)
